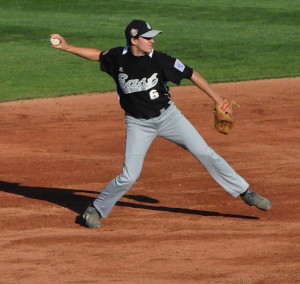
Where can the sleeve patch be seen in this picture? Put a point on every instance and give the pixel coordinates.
(179, 65)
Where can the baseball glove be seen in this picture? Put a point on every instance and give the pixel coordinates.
(224, 116)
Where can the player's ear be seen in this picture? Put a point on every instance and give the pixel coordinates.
(133, 41)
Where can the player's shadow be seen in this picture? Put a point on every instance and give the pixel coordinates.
(77, 200)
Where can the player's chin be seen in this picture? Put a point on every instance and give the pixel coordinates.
(149, 50)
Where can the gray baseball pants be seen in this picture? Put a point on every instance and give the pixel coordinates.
(172, 125)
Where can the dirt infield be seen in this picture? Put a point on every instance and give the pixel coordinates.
(176, 225)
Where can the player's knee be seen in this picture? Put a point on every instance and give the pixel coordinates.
(207, 157)
(127, 178)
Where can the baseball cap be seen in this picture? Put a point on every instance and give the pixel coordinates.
(139, 28)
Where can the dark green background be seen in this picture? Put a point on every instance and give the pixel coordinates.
(223, 40)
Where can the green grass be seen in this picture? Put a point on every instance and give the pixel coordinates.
(225, 40)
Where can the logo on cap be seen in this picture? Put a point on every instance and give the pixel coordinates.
(134, 32)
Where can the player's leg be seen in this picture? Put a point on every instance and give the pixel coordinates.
(139, 136)
(177, 128)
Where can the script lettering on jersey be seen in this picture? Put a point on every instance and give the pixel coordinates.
(136, 85)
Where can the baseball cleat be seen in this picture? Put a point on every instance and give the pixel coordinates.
(92, 217)
(253, 199)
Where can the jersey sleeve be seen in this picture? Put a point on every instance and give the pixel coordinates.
(174, 70)
(107, 62)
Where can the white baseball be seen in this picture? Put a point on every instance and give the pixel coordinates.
(54, 41)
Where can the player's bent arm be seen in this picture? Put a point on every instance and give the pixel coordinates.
(203, 85)
(84, 52)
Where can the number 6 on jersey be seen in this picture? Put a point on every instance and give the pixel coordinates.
(154, 94)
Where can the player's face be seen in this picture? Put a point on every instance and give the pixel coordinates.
(142, 45)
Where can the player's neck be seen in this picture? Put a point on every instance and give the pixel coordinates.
(137, 52)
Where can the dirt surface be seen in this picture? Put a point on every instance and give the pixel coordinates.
(176, 225)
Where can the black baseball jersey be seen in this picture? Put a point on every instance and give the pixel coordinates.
(142, 80)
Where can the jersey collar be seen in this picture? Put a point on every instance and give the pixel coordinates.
(126, 48)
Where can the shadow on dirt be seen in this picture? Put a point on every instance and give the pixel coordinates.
(77, 200)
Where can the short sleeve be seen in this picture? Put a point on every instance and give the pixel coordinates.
(106, 62)
(174, 70)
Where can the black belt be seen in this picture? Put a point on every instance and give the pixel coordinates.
(161, 111)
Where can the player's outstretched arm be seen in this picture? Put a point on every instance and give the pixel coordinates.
(85, 52)
(202, 84)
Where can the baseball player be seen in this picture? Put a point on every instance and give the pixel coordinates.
(141, 75)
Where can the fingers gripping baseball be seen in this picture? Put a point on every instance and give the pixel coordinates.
(57, 41)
